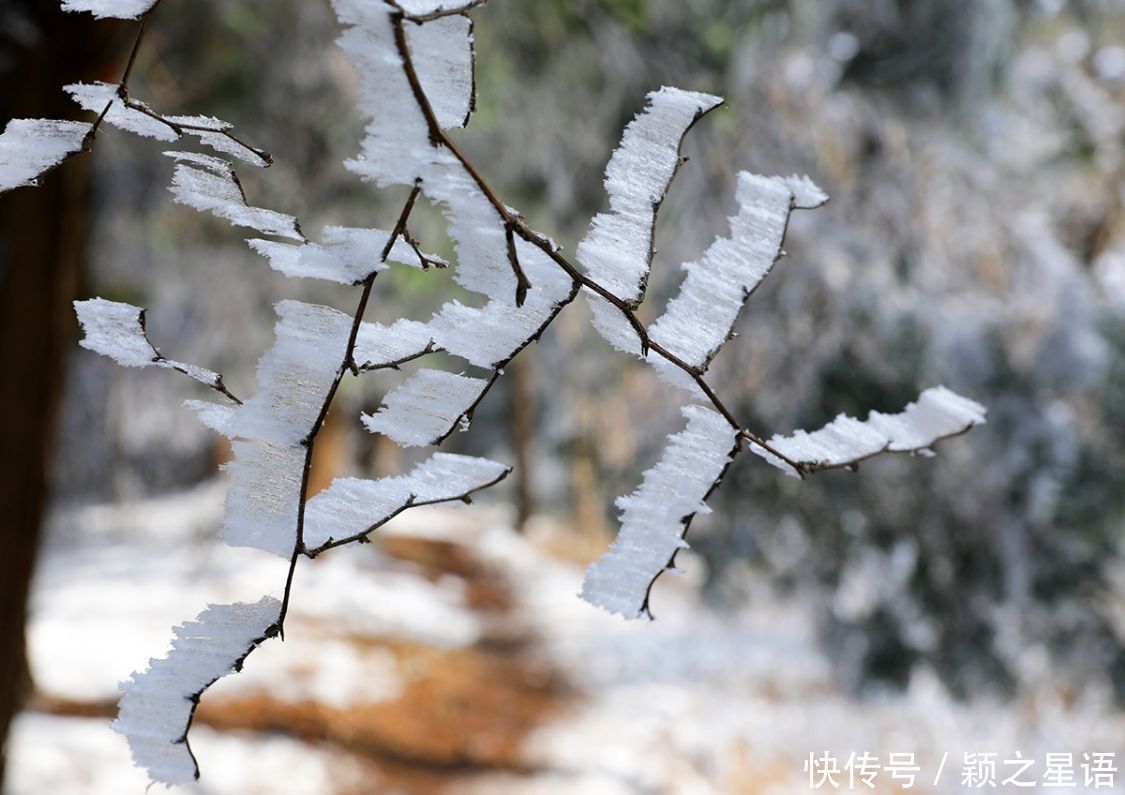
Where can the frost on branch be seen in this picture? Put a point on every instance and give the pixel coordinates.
(445, 67)
(617, 251)
(378, 346)
(347, 256)
(95, 97)
(209, 184)
(157, 705)
(296, 374)
(488, 337)
(295, 378)
(351, 508)
(654, 518)
(422, 8)
(426, 407)
(31, 147)
(118, 331)
(106, 9)
(396, 149)
(699, 320)
(136, 117)
(939, 413)
(264, 497)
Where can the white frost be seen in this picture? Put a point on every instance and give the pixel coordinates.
(491, 335)
(157, 705)
(215, 416)
(653, 517)
(264, 496)
(31, 147)
(396, 149)
(423, 7)
(425, 408)
(617, 251)
(117, 330)
(700, 318)
(937, 414)
(105, 9)
(295, 374)
(378, 345)
(347, 256)
(214, 188)
(94, 97)
(351, 507)
(442, 52)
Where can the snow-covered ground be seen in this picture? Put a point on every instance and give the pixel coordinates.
(698, 702)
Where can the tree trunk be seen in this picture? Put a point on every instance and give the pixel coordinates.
(43, 233)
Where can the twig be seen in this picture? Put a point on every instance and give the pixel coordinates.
(440, 12)
(411, 503)
(439, 138)
(123, 83)
(514, 225)
(348, 364)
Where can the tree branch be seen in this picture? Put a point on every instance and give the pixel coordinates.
(348, 364)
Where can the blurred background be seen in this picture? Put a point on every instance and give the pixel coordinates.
(974, 602)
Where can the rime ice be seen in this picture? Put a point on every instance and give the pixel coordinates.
(105, 9)
(700, 318)
(653, 518)
(617, 251)
(426, 407)
(215, 189)
(937, 414)
(117, 330)
(351, 507)
(157, 704)
(30, 147)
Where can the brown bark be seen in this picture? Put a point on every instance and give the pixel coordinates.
(43, 234)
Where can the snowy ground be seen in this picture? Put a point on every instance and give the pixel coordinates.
(698, 703)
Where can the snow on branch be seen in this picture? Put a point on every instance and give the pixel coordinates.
(264, 497)
(490, 336)
(347, 256)
(424, 10)
(699, 320)
(115, 107)
(31, 147)
(655, 517)
(426, 407)
(209, 184)
(158, 704)
(296, 374)
(111, 9)
(445, 67)
(617, 251)
(117, 330)
(379, 346)
(351, 508)
(938, 414)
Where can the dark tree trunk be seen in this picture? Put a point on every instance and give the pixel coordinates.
(43, 234)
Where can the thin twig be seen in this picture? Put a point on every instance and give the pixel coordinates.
(462, 10)
(123, 83)
(439, 138)
(410, 503)
(348, 364)
(514, 225)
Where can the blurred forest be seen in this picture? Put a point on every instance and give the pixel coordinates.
(975, 156)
